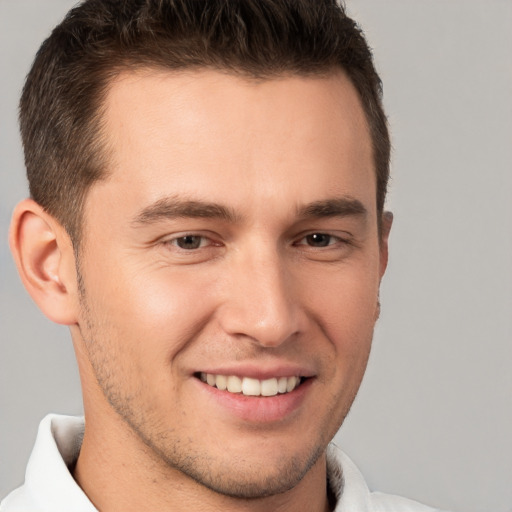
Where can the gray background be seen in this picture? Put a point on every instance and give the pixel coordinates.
(433, 420)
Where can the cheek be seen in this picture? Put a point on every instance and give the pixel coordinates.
(150, 314)
(345, 300)
(345, 307)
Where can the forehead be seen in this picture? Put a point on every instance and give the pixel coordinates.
(229, 138)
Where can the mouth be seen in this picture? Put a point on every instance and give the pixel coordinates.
(249, 386)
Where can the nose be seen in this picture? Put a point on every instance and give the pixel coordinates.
(260, 300)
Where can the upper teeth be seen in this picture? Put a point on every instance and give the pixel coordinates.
(251, 387)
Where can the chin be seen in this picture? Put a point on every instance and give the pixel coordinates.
(245, 479)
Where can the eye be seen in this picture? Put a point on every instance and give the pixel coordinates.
(191, 247)
(190, 242)
(319, 240)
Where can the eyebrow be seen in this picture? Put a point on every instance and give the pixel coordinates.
(336, 207)
(175, 207)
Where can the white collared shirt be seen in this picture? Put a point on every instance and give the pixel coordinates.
(50, 487)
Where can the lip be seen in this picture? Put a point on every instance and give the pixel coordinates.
(256, 409)
(259, 372)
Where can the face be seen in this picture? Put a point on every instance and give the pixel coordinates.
(229, 271)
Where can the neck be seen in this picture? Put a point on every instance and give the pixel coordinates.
(115, 476)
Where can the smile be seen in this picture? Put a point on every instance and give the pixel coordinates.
(251, 387)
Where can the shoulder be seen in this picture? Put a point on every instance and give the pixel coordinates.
(49, 485)
(352, 493)
(390, 503)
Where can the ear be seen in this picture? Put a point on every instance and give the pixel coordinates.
(44, 255)
(386, 223)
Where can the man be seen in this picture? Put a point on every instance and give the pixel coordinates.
(207, 216)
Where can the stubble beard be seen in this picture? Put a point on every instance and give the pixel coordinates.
(170, 454)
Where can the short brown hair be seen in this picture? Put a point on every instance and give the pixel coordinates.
(61, 103)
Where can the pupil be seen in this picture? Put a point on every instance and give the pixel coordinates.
(318, 240)
(189, 242)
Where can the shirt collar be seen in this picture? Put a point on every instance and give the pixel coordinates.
(48, 480)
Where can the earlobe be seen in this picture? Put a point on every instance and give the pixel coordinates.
(45, 260)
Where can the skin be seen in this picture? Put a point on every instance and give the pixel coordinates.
(255, 290)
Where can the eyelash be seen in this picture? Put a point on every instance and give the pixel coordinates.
(331, 238)
(175, 242)
(332, 241)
